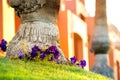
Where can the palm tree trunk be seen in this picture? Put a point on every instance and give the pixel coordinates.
(38, 26)
(101, 42)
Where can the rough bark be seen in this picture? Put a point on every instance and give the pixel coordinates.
(101, 42)
(101, 66)
(38, 26)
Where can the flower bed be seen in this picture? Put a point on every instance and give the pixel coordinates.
(49, 54)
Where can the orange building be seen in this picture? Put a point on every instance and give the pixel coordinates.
(76, 28)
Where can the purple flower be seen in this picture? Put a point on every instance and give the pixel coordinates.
(20, 54)
(3, 41)
(47, 51)
(37, 48)
(35, 51)
(3, 45)
(83, 63)
(56, 54)
(73, 60)
(53, 50)
(42, 55)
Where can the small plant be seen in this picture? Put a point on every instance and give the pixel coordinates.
(82, 63)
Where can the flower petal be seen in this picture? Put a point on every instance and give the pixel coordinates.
(73, 60)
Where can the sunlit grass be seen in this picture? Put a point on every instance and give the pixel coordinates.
(20, 70)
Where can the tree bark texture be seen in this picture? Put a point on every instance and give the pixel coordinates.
(100, 42)
(38, 25)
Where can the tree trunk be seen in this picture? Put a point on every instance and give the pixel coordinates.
(101, 42)
(38, 26)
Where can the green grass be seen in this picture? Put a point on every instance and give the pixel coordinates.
(19, 70)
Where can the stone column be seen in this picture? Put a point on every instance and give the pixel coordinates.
(38, 26)
(101, 42)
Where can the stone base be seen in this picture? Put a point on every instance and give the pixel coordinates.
(101, 66)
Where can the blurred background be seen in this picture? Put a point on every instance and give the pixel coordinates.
(76, 22)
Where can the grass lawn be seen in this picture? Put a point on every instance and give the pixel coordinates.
(20, 70)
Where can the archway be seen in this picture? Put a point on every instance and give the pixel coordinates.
(78, 46)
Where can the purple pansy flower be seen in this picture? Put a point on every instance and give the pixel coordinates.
(20, 54)
(47, 52)
(3, 41)
(3, 45)
(42, 55)
(83, 63)
(53, 50)
(35, 51)
(37, 48)
(73, 60)
(56, 54)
